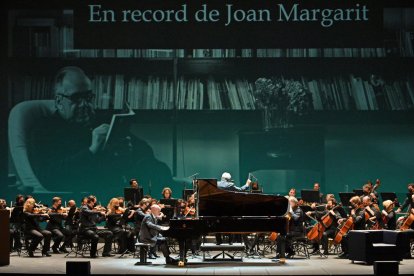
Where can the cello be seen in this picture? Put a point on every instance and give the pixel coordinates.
(317, 230)
(407, 221)
(344, 229)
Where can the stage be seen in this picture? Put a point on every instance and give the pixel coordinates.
(250, 266)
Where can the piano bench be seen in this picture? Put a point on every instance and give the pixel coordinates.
(143, 253)
(224, 248)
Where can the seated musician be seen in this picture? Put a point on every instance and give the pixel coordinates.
(295, 226)
(149, 233)
(16, 223)
(115, 221)
(388, 215)
(166, 193)
(402, 220)
(292, 192)
(56, 217)
(87, 227)
(374, 214)
(32, 229)
(358, 217)
(329, 231)
(408, 202)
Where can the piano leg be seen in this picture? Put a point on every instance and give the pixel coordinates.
(282, 244)
(183, 245)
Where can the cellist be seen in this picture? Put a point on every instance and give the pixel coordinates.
(329, 231)
(358, 217)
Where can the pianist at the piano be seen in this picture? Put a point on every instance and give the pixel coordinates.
(149, 233)
(221, 211)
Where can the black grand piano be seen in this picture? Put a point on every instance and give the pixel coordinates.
(221, 211)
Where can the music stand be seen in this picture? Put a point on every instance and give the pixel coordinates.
(133, 195)
(358, 192)
(309, 195)
(345, 197)
(169, 202)
(390, 196)
(187, 193)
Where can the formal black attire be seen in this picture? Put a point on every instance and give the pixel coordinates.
(59, 233)
(32, 230)
(87, 228)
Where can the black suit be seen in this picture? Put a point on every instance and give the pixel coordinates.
(87, 228)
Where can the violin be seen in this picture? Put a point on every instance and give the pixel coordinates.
(189, 211)
(40, 209)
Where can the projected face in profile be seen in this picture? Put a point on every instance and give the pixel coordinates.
(74, 96)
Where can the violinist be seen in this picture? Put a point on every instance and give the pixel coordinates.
(388, 215)
(32, 216)
(358, 218)
(87, 227)
(56, 216)
(295, 227)
(115, 220)
(16, 223)
(166, 193)
(330, 231)
(408, 202)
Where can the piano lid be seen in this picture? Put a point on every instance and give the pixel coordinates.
(216, 202)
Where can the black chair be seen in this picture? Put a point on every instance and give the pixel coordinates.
(83, 246)
(375, 245)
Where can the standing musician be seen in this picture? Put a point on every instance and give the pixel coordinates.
(358, 217)
(116, 218)
(295, 227)
(56, 215)
(149, 233)
(32, 229)
(88, 219)
(408, 202)
(388, 215)
(329, 231)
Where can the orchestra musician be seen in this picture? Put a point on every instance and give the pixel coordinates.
(116, 218)
(32, 216)
(317, 187)
(166, 193)
(408, 202)
(149, 233)
(72, 220)
(388, 215)
(373, 214)
(16, 223)
(329, 231)
(295, 227)
(89, 216)
(358, 217)
(56, 216)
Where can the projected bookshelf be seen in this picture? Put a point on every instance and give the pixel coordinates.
(347, 82)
